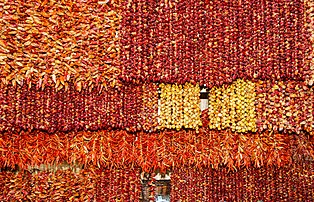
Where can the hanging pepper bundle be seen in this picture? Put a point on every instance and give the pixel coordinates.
(289, 183)
(233, 107)
(177, 119)
(119, 184)
(309, 25)
(180, 106)
(50, 110)
(152, 151)
(166, 106)
(66, 185)
(54, 43)
(191, 106)
(140, 107)
(149, 112)
(284, 106)
(213, 42)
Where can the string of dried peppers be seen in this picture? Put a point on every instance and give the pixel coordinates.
(289, 183)
(179, 106)
(242, 106)
(309, 25)
(284, 106)
(233, 107)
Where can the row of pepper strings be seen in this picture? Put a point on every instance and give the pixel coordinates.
(216, 42)
(89, 184)
(60, 43)
(115, 42)
(242, 106)
(269, 183)
(154, 150)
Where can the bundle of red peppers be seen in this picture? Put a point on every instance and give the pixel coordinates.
(130, 107)
(154, 151)
(213, 42)
(80, 83)
(309, 24)
(289, 183)
(54, 43)
(65, 185)
(284, 106)
(242, 106)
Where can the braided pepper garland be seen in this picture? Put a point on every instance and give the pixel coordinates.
(284, 106)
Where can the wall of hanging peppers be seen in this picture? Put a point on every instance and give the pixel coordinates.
(92, 184)
(214, 42)
(152, 151)
(242, 106)
(130, 107)
(114, 87)
(264, 184)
